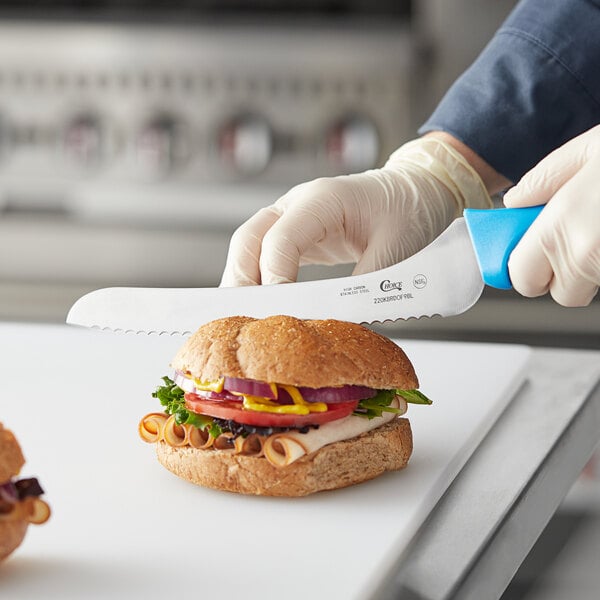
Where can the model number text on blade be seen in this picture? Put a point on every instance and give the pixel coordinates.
(394, 298)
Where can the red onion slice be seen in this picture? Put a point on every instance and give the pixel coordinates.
(331, 395)
(185, 383)
(217, 395)
(8, 493)
(250, 387)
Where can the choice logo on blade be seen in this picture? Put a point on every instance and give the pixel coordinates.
(387, 286)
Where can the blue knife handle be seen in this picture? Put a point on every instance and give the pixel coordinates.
(494, 234)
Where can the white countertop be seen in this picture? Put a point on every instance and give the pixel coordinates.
(124, 527)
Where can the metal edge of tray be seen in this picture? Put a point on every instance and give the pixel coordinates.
(477, 536)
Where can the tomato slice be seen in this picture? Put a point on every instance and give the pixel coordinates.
(230, 409)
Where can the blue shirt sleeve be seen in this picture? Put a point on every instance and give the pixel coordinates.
(535, 86)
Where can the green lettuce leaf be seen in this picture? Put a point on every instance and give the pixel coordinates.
(380, 403)
(376, 406)
(171, 397)
(414, 396)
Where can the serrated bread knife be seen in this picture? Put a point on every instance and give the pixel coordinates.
(445, 278)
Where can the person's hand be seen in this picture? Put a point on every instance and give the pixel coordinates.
(373, 219)
(560, 252)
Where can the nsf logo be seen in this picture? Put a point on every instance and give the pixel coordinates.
(419, 281)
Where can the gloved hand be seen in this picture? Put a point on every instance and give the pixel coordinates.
(560, 252)
(374, 219)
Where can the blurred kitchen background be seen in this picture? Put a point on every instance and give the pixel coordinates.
(136, 135)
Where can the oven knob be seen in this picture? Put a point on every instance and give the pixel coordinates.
(246, 143)
(352, 144)
(84, 140)
(161, 145)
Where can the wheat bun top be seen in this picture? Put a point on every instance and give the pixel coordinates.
(11, 457)
(283, 349)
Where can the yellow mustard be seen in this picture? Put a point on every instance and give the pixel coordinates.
(210, 386)
(300, 406)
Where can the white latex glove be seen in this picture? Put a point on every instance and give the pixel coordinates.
(374, 219)
(560, 252)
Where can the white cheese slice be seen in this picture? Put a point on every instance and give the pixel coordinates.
(282, 449)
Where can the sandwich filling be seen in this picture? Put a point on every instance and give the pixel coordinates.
(20, 500)
(279, 422)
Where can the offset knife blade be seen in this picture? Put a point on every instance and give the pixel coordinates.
(445, 278)
(442, 279)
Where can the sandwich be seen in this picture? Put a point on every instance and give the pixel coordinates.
(284, 407)
(20, 502)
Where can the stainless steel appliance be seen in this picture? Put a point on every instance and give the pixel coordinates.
(130, 152)
(133, 140)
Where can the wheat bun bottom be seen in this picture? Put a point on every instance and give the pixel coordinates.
(11, 461)
(11, 536)
(11, 457)
(334, 466)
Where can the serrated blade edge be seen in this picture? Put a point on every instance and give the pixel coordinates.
(442, 279)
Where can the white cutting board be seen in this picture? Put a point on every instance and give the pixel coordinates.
(123, 527)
